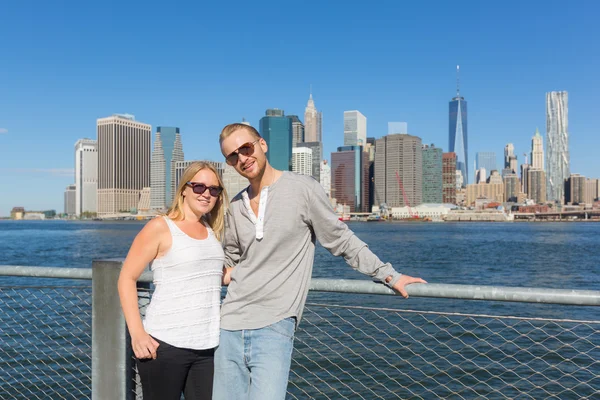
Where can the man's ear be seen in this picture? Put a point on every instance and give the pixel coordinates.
(263, 145)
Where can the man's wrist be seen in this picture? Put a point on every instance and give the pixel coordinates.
(391, 279)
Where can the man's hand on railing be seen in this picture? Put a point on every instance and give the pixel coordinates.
(406, 280)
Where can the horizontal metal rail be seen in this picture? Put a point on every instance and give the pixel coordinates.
(434, 290)
(46, 272)
(465, 292)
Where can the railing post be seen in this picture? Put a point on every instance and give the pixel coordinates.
(111, 351)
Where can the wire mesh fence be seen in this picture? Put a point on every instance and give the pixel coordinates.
(45, 342)
(341, 351)
(373, 353)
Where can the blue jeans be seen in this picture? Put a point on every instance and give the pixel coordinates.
(254, 364)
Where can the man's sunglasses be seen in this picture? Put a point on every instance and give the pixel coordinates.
(200, 188)
(247, 149)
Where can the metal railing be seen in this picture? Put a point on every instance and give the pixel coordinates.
(45, 338)
(70, 342)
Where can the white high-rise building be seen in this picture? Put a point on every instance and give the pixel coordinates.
(537, 151)
(355, 128)
(325, 177)
(480, 175)
(168, 150)
(557, 145)
(312, 122)
(86, 176)
(233, 181)
(302, 159)
(123, 163)
(459, 179)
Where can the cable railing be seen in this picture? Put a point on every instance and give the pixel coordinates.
(61, 340)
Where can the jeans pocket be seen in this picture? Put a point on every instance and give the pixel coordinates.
(286, 327)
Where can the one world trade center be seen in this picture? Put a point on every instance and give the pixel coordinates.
(458, 132)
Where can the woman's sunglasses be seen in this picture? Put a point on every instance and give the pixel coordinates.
(200, 188)
(247, 149)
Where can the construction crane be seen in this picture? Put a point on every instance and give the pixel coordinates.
(410, 212)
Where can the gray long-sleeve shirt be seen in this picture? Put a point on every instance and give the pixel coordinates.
(271, 276)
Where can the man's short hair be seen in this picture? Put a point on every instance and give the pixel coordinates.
(229, 129)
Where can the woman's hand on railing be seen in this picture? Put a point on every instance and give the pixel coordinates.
(144, 346)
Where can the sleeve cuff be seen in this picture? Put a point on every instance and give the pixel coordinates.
(395, 278)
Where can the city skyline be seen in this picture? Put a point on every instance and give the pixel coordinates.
(57, 58)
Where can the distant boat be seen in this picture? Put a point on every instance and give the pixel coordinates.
(415, 219)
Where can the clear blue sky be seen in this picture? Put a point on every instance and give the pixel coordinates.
(200, 66)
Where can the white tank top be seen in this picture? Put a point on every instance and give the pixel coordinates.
(185, 307)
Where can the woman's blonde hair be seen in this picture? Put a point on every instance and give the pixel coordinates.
(216, 218)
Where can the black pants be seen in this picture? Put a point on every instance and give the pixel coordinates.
(177, 370)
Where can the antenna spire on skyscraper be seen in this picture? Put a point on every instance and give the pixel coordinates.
(311, 90)
(457, 80)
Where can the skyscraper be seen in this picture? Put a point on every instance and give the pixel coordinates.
(575, 189)
(70, 200)
(168, 150)
(458, 137)
(402, 155)
(234, 182)
(525, 177)
(312, 122)
(355, 128)
(297, 130)
(86, 176)
(537, 150)
(536, 185)
(349, 177)
(512, 187)
(432, 175)
(370, 148)
(480, 175)
(449, 178)
(487, 160)
(591, 190)
(276, 129)
(325, 175)
(302, 162)
(123, 162)
(557, 144)
(317, 156)
(510, 158)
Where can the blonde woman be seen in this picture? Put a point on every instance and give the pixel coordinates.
(174, 345)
